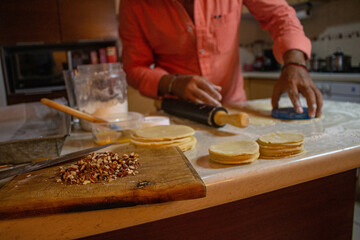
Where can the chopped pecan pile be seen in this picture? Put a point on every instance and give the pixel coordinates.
(99, 167)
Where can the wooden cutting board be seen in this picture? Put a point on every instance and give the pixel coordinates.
(164, 175)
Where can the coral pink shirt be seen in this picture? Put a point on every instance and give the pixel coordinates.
(161, 33)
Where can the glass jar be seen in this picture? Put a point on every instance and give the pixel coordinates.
(101, 89)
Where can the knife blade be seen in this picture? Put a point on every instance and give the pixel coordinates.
(16, 170)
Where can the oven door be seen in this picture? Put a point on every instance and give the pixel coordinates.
(36, 71)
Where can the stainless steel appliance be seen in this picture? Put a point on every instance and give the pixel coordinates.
(32, 70)
(338, 62)
(340, 91)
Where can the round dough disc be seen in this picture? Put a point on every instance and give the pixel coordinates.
(280, 153)
(188, 145)
(283, 156)
(184, 146)
(164, 132)
(235, 148)
(279, 138)
(215, 158)
(280, 147)
(178, 141)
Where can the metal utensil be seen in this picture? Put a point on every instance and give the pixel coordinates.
(338, 62)
(16, 170)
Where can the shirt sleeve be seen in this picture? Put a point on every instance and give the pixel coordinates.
(285, 29)
(137, 56)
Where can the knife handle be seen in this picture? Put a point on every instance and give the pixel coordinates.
(240, 120)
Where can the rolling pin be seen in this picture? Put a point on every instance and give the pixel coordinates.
(206, 114)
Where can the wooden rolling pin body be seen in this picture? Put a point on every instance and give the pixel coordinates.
(206, 114)
(240, 120)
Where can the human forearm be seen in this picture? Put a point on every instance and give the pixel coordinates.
(285, 29)
(294, 56)
(295, 80)
(190, 87)
(166, 84)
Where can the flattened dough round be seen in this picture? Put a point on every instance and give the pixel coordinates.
(279, 138)
(188, 145)
(283, 156)
(185, 146)
(281, 151)
(235, 148)
(280, 147)
(261, 121)
(164, 132)
(178, 141)
(234, 161)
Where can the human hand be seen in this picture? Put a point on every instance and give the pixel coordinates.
(296, 80)
(196, 89)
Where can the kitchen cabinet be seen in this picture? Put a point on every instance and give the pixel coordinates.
(56, 21)
(139, 103)
(257, 88)
(28, 21)
(87, 19)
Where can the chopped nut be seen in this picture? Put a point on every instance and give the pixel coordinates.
(99, 167)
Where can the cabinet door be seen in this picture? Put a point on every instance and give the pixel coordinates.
(260, 88)
(28, 21)
(87, 20)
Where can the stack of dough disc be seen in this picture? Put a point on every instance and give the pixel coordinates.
(165, 136)
(281, 145)
(235, 152)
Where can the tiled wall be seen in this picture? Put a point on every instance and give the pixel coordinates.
(327, 21)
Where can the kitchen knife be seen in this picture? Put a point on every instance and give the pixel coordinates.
(16, 170)
(206, 114)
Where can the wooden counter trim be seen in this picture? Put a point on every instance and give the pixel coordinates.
(319, 209)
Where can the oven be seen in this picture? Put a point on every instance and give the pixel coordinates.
(34, 71)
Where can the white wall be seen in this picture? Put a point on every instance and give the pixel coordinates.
(328, 18)
(349, 45)
(2, 89)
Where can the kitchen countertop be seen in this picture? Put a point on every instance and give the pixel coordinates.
(332, 146)
(316, 76)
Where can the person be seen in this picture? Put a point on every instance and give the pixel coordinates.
(189, 49)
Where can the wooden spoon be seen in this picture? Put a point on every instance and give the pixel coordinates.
(71, 111)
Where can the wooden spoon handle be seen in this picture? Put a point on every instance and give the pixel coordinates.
(71, 111)
(240, 120)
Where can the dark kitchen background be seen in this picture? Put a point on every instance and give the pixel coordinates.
(72, 32)
(41, 38)
(331, 25)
